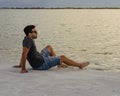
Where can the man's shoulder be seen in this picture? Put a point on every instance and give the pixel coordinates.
(27, 39)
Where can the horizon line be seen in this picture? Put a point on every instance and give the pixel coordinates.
(60, 8)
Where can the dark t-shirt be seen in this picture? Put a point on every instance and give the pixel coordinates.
(33, 57)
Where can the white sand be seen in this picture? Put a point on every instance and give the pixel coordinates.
(58, 82)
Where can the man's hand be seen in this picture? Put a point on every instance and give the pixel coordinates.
(23, 60)
(23, 71)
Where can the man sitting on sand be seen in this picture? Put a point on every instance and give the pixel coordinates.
(46, 58)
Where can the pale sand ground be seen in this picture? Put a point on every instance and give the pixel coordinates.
(58, 82)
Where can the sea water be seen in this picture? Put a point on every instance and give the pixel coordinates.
(81, 34)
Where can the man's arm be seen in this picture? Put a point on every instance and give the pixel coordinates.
(23, 60)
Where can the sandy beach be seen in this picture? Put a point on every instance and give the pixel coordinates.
(58, 82)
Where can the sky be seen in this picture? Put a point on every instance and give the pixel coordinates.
(59, 3)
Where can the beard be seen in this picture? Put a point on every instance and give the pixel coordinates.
(35, 37)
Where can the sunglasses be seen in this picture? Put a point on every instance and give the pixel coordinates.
(34, 32)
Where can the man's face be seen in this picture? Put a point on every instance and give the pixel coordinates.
(34, 33)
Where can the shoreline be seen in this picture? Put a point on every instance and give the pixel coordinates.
(59, 8)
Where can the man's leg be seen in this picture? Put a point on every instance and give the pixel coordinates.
(52, 53)
(66, 60)
(51, 50)
(73, 63)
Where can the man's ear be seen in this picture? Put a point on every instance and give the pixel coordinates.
(29, 34)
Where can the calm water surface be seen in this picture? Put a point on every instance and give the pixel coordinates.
(82, 35)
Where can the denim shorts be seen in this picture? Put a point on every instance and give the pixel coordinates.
(49, 61)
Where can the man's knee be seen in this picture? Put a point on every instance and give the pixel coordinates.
(49, 47)
(63, 57)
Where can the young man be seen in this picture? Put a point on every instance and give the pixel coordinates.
(46, 58)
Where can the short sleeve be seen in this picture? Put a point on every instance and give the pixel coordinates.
(27, 43)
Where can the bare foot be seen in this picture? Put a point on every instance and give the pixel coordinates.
(82, 65)
(17, 66)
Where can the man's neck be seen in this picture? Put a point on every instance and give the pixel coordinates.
(29, 37)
